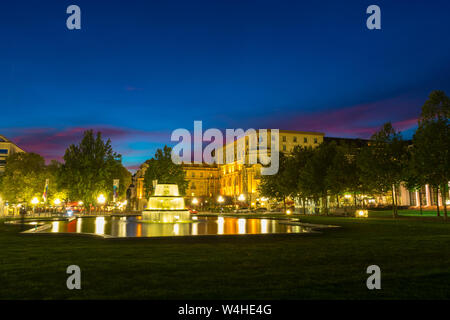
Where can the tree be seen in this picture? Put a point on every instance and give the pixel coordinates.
(161, 168)
(89, 170)
(314, 179)
(24, 177)
(280, 185)
(382, 163)
(432, 158)
(431, 145)
(300, 156)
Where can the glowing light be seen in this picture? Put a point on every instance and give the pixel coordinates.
(35, 201)
(264, 199)
(100, 225)
(80, 203)
(57, 202)
(220, 222)
(220, 199)
(362, 213)
(447, 202)
(264, 226)
(176, 229)
(288, 212)
(101, 199)
(241, 226)
(55, 226)
(195, 201)
(347, 196)
(195, 218)
(241, 197)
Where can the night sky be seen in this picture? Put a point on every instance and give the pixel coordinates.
(137, 70)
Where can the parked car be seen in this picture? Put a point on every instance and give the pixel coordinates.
(193, 211)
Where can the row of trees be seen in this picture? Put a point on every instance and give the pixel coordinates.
(88, 170)
(377, 167)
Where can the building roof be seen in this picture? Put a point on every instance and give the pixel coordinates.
(3, 139)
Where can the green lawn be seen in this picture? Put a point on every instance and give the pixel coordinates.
(412, 252)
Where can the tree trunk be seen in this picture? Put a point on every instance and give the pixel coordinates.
(325, 200)
(304, 206)
(337, 201)
(444, 200)
(284, 203)
(394, 211)
(354, 199)
(437, 202)
(420, 202)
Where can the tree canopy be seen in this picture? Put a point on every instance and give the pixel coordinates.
(161, 168)
(89, 169)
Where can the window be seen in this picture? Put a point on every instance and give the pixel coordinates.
(315, 140)
(193, 174)
(193, 186)
(284, 147)
(284, 138)
(2, 162)
(305, 140)
(201, 174)
(3, 151)
(295, 139)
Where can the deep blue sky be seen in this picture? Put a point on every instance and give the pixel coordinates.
(139, 69)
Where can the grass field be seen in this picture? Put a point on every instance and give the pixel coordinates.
(412, 252)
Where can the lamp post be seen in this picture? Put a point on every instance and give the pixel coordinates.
(220, 200)
(101, 199)
(241, 198)
(34, 202)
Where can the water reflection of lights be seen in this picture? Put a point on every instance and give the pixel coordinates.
(194, 229)
(264, 226)
(241, 226)
(55, 226)
(100, 225)
(176, 229)
(220, 222)
(79, 222)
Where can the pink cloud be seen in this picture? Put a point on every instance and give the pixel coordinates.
(354, 121)
(51, 143)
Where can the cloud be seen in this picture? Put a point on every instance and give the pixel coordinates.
(359, 121)
(51, 143)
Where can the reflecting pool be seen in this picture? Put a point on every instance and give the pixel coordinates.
(135, 227)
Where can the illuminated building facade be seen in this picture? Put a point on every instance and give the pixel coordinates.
(238, 177)
(203, 180)
(7, 148)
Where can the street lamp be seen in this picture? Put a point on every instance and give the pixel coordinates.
(101, 199)
(195, 201)
(56, 202)
(34, 202)
(220, 199)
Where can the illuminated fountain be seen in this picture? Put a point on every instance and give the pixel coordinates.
(166, 205)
